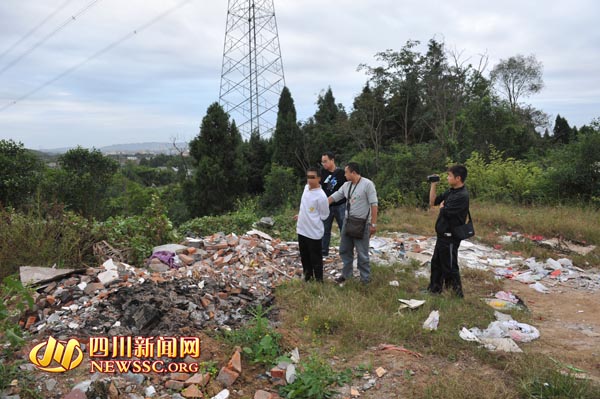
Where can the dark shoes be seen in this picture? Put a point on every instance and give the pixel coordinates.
(340, 279)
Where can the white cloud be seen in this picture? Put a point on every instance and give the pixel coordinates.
(160, 81)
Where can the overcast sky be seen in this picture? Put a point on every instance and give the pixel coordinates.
(158, 84)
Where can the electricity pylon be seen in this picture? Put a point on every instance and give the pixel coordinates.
(252, 70)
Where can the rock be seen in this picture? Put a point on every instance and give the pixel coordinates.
(227, 376)
(158, 266)
(150, 391)
(174, 384)
(51, 384)
(224, 394)
(380, 371)
(192, 392)
(175, 248)
(198, 379)
(236, 362)
(260, 394)
(354, 392)
(92, 288)
(179, 376)
(108, 277)
(186, 259)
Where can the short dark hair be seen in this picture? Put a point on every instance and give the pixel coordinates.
(316, 170)
(459, 170)
(329, 155)
(353, 167)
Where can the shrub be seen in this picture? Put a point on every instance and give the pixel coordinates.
(239, 221)
(137, 235)
(43, 236)
(260, 343)
(504, 179)
(281, 189)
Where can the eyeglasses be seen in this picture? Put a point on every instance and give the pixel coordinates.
(311, 176)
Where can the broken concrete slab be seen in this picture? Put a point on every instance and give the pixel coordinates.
(32, 275)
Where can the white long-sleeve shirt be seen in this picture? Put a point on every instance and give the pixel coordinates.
(314, 208)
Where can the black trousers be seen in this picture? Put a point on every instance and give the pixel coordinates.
(444, 267)
(311, 257)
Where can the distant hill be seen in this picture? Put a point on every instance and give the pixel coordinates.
(133, 148)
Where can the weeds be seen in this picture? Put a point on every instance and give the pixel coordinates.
(315, 380)
(15, 299)
(259, 342)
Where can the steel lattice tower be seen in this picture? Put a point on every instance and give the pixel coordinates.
(252, 71)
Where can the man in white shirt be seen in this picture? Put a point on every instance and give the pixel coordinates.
(314, 209)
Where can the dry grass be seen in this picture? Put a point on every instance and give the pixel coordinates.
(493, 220)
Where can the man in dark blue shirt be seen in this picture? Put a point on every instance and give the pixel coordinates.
(332, 178)
(454, 207)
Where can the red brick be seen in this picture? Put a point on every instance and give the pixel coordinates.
(179, 376)
(276, 372)
(260, 394)
(227, 377)
(175, 385)
(236, 362)
(192, 392)
(198, 379)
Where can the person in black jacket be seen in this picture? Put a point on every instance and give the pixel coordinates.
(332, 178)
(454, 207)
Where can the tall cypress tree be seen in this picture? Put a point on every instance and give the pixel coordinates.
(219, 174)
(288, 144)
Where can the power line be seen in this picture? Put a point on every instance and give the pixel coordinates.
(34, 29)
(48, 36)
(96, 54)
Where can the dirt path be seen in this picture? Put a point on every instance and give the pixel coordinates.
(569, 324)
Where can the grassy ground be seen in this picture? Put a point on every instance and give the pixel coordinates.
(348, 321)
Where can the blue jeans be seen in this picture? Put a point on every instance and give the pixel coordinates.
(336, 212)
(347, 245)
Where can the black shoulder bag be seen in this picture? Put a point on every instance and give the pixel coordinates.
(465, 231)
(355, 227)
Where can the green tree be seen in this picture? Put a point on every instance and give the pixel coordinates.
(281, 188)
(257, 159)
(288, 143)
(20, 173)
(219, 168)
(562, 132)
(327, 129)
(82, 180)
(517, 77)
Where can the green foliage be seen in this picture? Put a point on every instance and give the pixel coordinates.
(43, 236)
(315, 380)
(574, 169)
(238, 221)
(282, 188)
(288, 146)
(14, 301)
(128, 197)
(400, 178)
(81, 182)
(219, 176)
(20, 173)
(545, 383)
(137, 235)
(504, 179)
(518, 77)
(258, 160)
(260, 343)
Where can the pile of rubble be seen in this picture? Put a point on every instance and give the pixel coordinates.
(209, 283)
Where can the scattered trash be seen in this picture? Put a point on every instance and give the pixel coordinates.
(394, 283)
(501, 304)
(432, 321)
(389, 347)
(502, 334)
(410, 303)
(539, 287)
